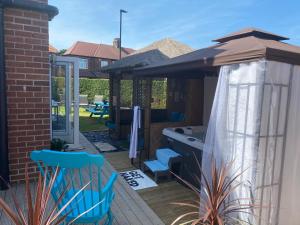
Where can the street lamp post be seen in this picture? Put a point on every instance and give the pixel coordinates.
(121, 12)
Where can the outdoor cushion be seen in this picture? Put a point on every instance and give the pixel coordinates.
(176, 117)
(155, 166)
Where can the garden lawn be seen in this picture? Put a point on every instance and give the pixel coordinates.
(87, 123)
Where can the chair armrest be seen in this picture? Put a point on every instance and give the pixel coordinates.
(109, 184)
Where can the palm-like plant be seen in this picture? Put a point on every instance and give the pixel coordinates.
(216, 203)
(39, 210)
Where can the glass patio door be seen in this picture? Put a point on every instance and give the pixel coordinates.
(65, 99)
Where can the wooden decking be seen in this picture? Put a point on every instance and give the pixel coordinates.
(128, 207)
(158, 198)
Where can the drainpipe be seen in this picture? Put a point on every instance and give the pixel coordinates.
(4, 171)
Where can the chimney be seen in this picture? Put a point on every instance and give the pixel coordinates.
(116, 42)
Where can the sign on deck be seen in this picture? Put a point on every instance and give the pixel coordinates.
(137, 179)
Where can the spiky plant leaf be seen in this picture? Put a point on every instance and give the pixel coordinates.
(215, 205)
(37, 204)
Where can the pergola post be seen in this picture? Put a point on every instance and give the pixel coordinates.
(147, 116)
(111, 103)
(117, 107)
(114, 98)
(134, 92)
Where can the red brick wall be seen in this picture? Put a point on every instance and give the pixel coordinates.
(28, 96)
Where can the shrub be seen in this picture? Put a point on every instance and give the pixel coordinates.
(92, 87)
(58, 144)
(159, 94)
(126, 93)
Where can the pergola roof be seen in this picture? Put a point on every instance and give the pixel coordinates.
(156, 52)
(251, 31)
(254, 44)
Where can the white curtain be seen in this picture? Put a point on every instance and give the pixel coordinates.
(136, 124)
(234, 123)
(248, 126)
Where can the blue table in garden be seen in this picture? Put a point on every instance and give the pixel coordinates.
(100, 108)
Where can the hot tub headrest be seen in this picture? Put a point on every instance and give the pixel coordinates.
(179, 130)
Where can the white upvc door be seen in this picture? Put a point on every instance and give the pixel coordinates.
(65, 99)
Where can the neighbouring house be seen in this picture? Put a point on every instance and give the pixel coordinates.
(155, 52)
(95, 56)
(53, 50)
(25, 105)
(252, 121)
(120, 72)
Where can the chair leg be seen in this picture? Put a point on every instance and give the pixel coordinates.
(144, 168)
(170, 176)
(156, 177)
(109, 218)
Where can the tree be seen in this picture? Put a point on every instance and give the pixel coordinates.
(62, 51)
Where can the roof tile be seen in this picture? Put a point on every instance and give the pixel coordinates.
(87, 49)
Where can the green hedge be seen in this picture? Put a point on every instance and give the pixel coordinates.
(126, 93)
(92, 87)
(159, 94)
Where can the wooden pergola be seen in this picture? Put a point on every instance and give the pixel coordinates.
(185, 95)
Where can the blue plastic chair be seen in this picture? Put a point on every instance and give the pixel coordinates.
(75, 171)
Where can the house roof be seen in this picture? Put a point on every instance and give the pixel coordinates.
(52, 49)
(87, 49)
(156, 52)
(237, 49)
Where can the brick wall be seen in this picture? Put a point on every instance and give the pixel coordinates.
(28, 97)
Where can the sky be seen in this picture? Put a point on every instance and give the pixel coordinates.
(193, 22)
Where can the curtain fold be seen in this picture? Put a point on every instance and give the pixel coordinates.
(248, 125)
(136, 124)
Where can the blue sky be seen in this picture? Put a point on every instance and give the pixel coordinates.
(194, 22)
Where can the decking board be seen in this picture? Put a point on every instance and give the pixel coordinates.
(158, 198)
(128, 207)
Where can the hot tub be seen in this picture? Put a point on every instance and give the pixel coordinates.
(193, 136)
(188, 142)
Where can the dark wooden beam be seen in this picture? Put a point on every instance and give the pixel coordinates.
(147, 116)
(117, 88)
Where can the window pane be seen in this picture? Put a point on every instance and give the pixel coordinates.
(83, 64)
(103, 63)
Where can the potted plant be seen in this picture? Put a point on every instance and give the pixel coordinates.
(215, 204)
(38, 210)
(58, 144)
